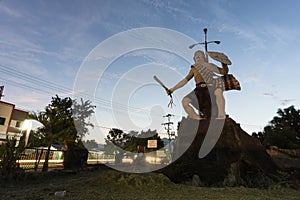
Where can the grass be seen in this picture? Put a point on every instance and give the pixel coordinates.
(110, 184)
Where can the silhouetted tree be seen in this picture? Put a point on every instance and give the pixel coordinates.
(65, 122)
(35, 139)
(283, 130)
(259, 136)
(129, 142)
(90, 144)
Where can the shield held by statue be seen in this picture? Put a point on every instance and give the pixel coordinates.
(218, 56)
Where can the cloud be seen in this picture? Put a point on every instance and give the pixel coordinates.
(279, 34)
(9, 12)
(179, 9)
(285, 102)
(251, 79)
(28, 100)
(155, 56)
(20, 53)
(227, 22)
(269, 94)
(275, 97)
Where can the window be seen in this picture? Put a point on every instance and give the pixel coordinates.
(2, 121)
(18, 124)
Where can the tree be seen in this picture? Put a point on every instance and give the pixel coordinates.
(76, 154)
(81, 114)
(142, 139)
(35, 139)
(129, 142)
(283, 130)
(90, 144)
(65, 122)
(118, 142)
(118, 137)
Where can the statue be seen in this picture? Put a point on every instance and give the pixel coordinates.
(216, 151)
(204, 74)
(211, 81)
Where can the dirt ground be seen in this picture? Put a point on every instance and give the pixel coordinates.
(110, 184)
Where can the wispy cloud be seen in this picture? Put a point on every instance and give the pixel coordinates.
(269, 94)
(252, 79)
(285, 102)
(155, 56)
(280, 101)
(178, 9)
(227, 23)
(9, 11)
(279, 34)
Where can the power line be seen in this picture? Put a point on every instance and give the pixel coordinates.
(33, 80)
(42, 84)
(53, 86)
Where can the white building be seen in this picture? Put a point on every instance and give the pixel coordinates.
(11, 121)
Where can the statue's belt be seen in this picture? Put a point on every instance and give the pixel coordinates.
(203, 84)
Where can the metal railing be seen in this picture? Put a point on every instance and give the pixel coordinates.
(34, 158)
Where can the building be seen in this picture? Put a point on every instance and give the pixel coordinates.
(11, 121)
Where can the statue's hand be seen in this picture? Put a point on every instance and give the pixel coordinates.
(169, 92)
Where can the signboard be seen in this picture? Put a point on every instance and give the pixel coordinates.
(152, 144)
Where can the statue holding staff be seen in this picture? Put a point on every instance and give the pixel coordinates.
(203, 74)
(209, 78)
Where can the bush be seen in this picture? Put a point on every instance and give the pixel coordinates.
(9, 154)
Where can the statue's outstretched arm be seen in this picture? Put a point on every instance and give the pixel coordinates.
(182, 82)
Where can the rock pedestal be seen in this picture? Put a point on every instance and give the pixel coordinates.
(236, 159)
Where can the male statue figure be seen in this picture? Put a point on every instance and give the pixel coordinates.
(204, 75)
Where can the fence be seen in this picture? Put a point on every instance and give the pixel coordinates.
(34, 158)
(96, 157)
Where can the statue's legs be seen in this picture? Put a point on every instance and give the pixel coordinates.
(189, 109)
(220, 101)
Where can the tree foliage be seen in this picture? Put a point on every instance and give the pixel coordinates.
(35, 139)
(283, 130)
(90, 144)
(130, 141)
(64, 121)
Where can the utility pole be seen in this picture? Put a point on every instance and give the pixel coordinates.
(167, 124)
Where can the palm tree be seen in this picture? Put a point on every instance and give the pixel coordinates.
(64, 122)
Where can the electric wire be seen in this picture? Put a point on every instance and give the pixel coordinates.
(43, 84)
(62, 89)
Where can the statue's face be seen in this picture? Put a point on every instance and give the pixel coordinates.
(199, 57)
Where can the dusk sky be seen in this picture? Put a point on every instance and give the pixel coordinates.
(45, 47)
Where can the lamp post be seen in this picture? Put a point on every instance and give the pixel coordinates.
(205, 43)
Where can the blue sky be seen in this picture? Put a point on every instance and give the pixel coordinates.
(43, 45)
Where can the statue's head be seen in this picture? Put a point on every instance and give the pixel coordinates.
(199, 57)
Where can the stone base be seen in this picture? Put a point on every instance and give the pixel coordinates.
(236, 158)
